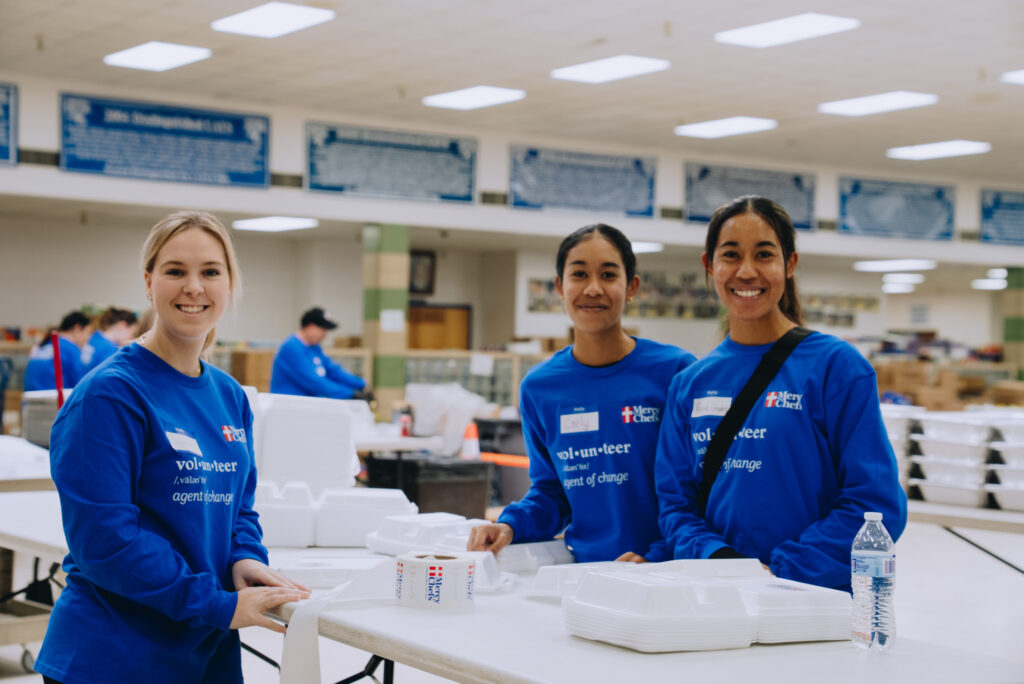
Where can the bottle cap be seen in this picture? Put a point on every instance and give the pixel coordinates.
(874, 517)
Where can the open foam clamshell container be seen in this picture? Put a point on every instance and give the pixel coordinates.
(346, 516)
(326, 573)
(937, 469)
(399, 534)
(952, 449)
(1009, 498)
(1011, 453)
(956, 426)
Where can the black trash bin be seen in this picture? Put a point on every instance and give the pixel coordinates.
(448, 485)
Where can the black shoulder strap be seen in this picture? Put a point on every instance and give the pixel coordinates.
(740, 408)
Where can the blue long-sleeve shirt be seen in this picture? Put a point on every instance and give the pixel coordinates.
(591, 435)
(39, 373)
(307, 371)
(97, 350)
(156, 478)
(811, 458)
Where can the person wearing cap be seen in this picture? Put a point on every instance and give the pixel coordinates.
(301, 367)
(73, 333)
(114, 328)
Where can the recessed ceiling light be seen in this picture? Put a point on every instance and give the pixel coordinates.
(720, 128)
(276, 224)
(1016, 77)
(647, 247)
(610, 69)
(156, 56)
(876, 104)
(893, 265)
(474, 98)
(988, 284)
(998, 273)
(788, 30)
(938, 150)
(911, 278)
(272, 20)
(897, 288)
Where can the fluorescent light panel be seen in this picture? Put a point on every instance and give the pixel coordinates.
(647, 247)
(610, 69)
(1015, 77)
(788, 30)
(894, 265)
(905, 278)
(272, 20)
(938, 150)
(876, 104)
(157, 56)
(997, 273)
(897, 288)
(720, 128)
(988, 284)
(474, 98)
(276, 224)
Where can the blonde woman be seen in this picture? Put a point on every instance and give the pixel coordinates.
(152, 458)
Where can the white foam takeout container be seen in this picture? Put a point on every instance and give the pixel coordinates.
(951, 493)
(937, 469)
(952, 449)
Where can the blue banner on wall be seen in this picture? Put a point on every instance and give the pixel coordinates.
(709, 186)
(1002, 217)
(577, 180)
(373, 162)
(900, 210)
(8, 124)
(163, 142)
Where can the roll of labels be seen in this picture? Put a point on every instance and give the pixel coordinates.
(421, 580)
(434, 581)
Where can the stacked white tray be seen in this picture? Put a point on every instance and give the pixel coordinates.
(658, 608)
(964, 456)
(900, 422)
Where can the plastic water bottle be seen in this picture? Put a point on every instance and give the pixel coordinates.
(873, 566)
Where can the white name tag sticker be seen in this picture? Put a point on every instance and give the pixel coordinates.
(579, 422)
(182, 442)
(711, 406)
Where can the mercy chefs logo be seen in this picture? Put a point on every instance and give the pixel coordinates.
(232, 434)
(435, 580)
(784, 400)
(640, 414)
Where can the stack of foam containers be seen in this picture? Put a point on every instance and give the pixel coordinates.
(900, 422)
(667, 607)
(1006, 469)
(306, 464)
(952, 454)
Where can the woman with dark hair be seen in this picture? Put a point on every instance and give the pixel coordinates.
(114, 328)
(591, 415)
(73, 333)
(811, 456)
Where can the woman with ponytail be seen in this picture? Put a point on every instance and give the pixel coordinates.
(152, 458)
(810, 456)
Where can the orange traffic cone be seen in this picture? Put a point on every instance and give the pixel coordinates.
(470, 442)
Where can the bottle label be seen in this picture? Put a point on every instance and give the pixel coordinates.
(873, 566)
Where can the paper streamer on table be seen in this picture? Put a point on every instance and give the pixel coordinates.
(435, 581)
(300, 657)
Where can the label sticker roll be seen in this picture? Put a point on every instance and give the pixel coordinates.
(435, 581)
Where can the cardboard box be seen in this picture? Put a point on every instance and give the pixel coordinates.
(253, 367)
(1009, 392)
(936, 398)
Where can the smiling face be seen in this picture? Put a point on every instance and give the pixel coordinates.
(190, 286)
(594, 286)
(749, 270)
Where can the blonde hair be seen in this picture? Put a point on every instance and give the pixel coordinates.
(178, 222)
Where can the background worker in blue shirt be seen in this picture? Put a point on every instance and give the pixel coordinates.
(114, 328)
(73, 333)
(301, 367)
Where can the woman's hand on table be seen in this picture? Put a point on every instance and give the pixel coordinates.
(261, 588)
(630, 557)
(492, 537)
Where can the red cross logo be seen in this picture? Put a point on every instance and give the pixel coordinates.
(229, 434)
(770, 400)
(627, 414)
